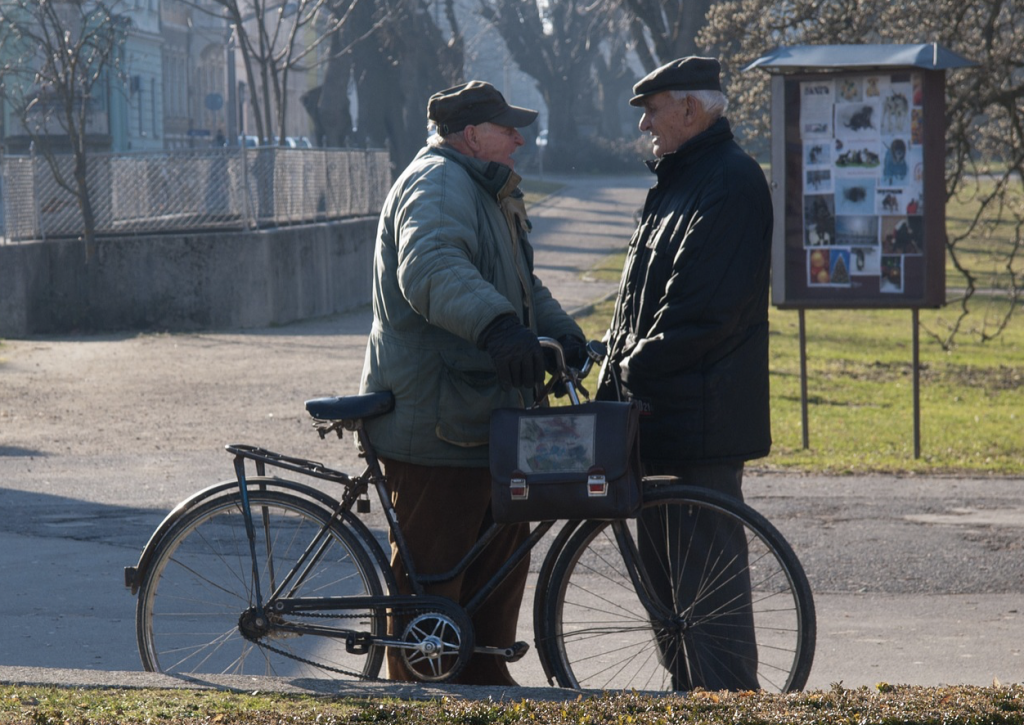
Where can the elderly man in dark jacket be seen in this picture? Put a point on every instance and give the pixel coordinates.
(689, 339)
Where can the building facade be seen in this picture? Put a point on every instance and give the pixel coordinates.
(141, 112)
(169, 89)
(194, 74)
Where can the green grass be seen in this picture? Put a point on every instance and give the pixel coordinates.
(881, 704)
(67, 706)
(535, 190)
(860, 395)
(986, 250)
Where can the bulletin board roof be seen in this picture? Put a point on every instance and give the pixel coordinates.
(929, 56)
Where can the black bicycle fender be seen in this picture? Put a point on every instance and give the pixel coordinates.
(133, 575)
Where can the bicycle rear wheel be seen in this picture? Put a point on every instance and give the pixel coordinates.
(197, 592)
(699, 590)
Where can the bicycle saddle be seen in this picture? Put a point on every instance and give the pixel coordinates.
(351, 407)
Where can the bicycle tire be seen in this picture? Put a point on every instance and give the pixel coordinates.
(598, 634)
(199, 583)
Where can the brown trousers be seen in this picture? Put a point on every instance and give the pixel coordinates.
(442, 511)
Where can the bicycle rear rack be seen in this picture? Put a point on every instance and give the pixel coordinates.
(299, 465)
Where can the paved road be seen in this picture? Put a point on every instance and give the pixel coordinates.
(917, 580)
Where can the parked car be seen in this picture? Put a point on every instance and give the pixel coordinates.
(291, 142)
(294, 142)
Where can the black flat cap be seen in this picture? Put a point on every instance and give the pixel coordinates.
(472, 103)
(686, 74)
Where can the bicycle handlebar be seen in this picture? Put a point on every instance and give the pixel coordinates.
(571, 377)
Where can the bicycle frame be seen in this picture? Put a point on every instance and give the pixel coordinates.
(280, 601)
(373, 475)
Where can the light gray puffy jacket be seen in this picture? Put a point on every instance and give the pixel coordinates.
(446, 264)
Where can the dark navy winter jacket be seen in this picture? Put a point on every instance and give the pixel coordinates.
(689, 336)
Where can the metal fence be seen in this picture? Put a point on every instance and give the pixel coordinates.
(224, 188)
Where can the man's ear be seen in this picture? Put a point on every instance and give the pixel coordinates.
(472, 138)
(695, 113)
(691, 108)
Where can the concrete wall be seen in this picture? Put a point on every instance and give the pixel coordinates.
(186, 282)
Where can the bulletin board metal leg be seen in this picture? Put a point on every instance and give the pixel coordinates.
(803, 379)
(917, 386)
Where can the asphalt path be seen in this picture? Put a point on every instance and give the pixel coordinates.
(917, 580)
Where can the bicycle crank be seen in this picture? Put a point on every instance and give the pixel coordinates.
(435, 648)
(514, 653)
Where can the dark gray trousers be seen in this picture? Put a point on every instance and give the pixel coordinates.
(697, 567)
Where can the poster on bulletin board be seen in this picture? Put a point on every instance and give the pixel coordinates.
(863, 220)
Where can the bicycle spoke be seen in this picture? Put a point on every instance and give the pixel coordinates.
(717, 600)
(198, 591)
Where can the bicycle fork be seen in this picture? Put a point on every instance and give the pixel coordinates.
(673, 626)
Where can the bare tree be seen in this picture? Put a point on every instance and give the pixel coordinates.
(409, 53)
(328, 103)
(985, 115)
(276, 38)
(57, 59)
(663, 30)
(613, 78)
(556, 42)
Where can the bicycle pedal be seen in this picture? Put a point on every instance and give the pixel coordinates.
(509, 654)
(517, 651)
(358, 643)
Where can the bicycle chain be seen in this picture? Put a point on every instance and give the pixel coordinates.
(318, 665)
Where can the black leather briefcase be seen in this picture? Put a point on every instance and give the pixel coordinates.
(575, 462)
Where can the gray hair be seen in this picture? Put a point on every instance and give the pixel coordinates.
(714, 103)
(436, 140)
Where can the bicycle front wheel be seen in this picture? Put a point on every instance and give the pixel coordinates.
(698, 591)
(194, 611)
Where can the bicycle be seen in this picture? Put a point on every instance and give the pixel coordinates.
(263, 575)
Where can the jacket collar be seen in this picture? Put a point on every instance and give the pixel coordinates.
(668, 165)
(497, 179)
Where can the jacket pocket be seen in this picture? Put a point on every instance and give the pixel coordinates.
(466, 398)
(673, 427)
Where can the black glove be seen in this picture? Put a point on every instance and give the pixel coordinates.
(575, 351)
(517, 355)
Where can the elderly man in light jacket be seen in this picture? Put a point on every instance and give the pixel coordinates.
(456, 314)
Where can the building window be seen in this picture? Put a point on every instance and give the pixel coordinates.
(152, 104)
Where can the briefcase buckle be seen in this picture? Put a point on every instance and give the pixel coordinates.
(518, 490)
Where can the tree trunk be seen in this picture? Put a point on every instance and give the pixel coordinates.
(563, 131)
(329, 105)
(84, 201)
(396, 69)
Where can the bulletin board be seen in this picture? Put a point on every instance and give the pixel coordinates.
(860, 204)
(858, 182)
